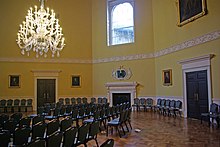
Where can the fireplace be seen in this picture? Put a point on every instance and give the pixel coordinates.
(119, 98)
(120, 89)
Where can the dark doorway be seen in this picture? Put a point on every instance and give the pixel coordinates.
(197, 93)
(45, 91)
(119, 98)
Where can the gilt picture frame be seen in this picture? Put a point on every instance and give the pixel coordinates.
(14, 81)
(75, 81)
(190, 10)
(167, 77)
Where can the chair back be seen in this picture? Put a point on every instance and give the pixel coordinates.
(38, 130)
(52, 127)
(178, 104)
(67, 101)
(69, 137)
(25, 122)
(4, 138)
(136, 101)
(78, 100)
(21, 136)
(37, 119)
(65, 124)
(158, 102)
(213, 108)
(172, 104)
(54, 140)
(16, 117)
(84, 100)
(2, 103)
(73, 101)
(82, 134)
(93, 100)
(142, 101)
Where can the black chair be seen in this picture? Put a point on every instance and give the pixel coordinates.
(166, 107)
(20, 137)
(37, 119)
(99, 100)
(2, 106)
(136, 104)
(84, 100)
(38, 131)
(104, 100)
(24, 122)
(82, 135)
(67, 101)
(3, 118)
(55, 114)
(65, 124)
(29, 106)
(142, 104)
(16, 117)
(149, 103)
(69, 137)
(95, 117)
(93, 100)
(162, 105)
(37, 143)
(93, 131)
(22, 107)
(74, 117)
(61, 101)
(157, 106)
(73, 101)
(52, 127)
(16, 105)
(178, 107)
(108, 143)
(54, 140)
(116, 123)
(79, 100)
(213, 114)
(4, 138)
(9, 105)
(9, 125)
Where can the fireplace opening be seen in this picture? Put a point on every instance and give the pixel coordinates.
(119, 98)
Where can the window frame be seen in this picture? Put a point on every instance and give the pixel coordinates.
(111, 4)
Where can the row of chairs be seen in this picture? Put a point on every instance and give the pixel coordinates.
(84, 100)
(17, 105)
(168, 107)
(51, 134)
(142, 103)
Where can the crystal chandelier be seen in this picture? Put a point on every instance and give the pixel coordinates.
(40, 32)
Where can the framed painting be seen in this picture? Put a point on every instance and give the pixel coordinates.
(76, 81)
(14, 81)
(189, 10)
(167, 77)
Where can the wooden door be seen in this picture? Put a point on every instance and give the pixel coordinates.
(197, 93)
(45, 91)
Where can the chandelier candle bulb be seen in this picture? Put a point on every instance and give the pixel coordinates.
(40, 32)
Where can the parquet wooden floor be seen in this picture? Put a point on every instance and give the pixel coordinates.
(162, 131)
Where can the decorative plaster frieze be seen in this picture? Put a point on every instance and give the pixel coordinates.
(184, 45)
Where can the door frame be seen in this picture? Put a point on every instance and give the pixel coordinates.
(45, 74)
(196, 64)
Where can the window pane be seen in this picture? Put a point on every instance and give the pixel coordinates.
(122, 24)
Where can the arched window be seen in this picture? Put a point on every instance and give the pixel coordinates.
(120, 23)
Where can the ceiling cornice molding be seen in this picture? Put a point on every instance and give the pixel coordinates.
(184, 45)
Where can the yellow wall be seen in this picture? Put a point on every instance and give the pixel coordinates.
(169, 34)
(75, 19)
(142, 70)
(84, 28)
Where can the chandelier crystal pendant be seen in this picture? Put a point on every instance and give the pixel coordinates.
(40, 32)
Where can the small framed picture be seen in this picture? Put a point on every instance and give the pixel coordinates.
(76, 81)
(14, 81)
(167, 77)
(189, 10)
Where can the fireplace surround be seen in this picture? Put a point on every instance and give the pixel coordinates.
(120, 88)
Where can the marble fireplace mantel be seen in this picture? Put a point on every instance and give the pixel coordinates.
(121, 87)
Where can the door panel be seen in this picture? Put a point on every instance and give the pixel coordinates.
(197, 93)
(45, 91)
